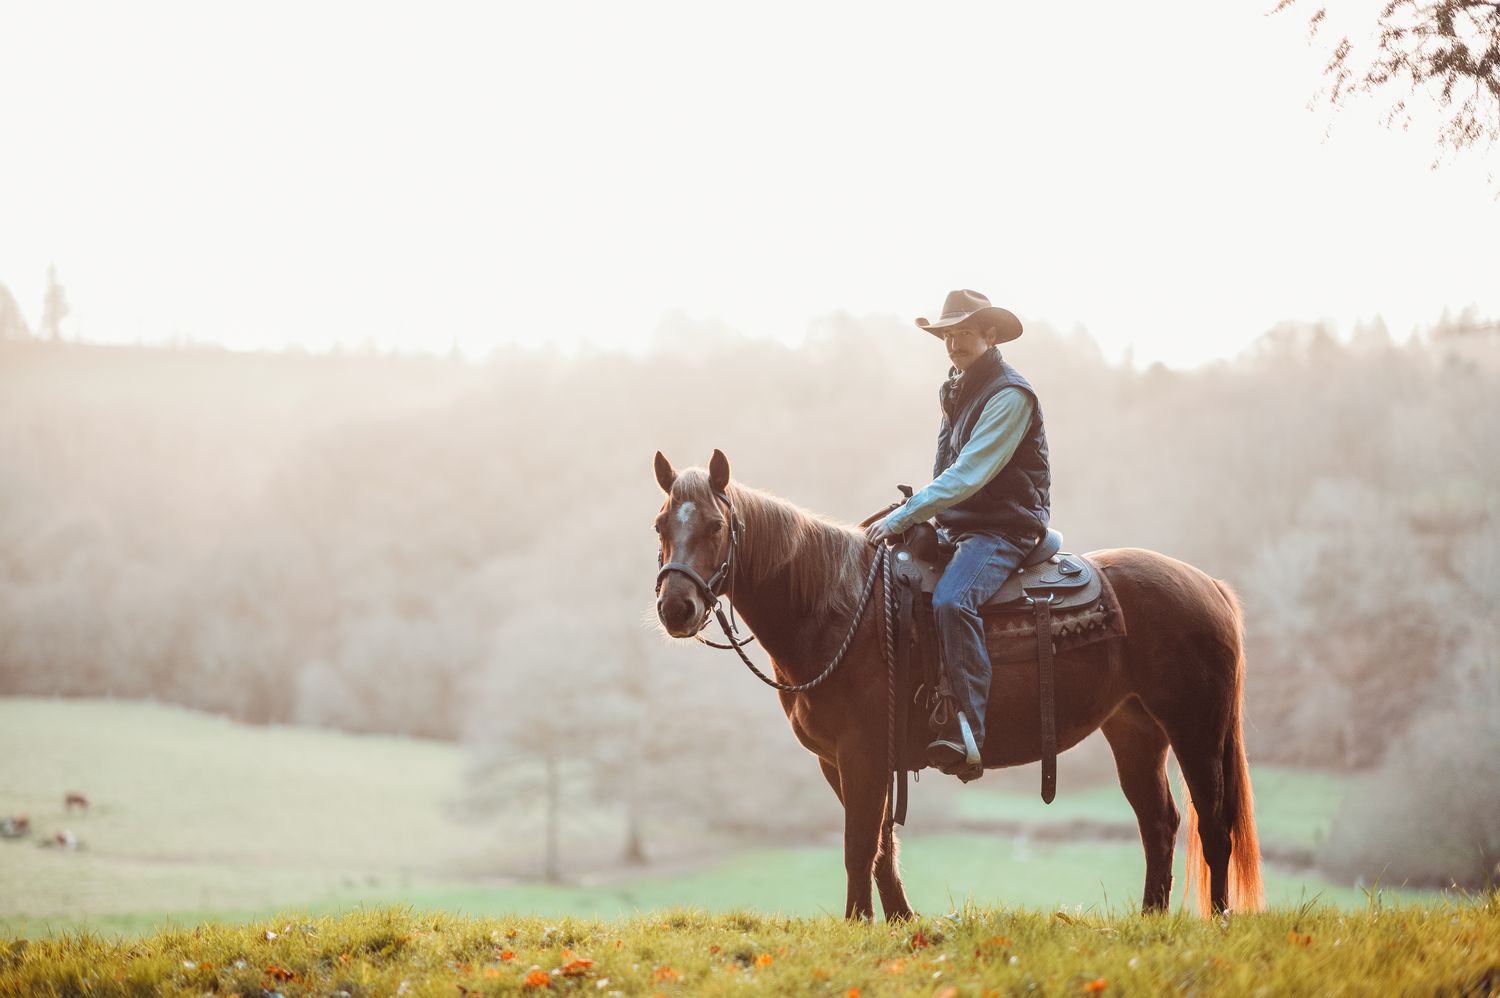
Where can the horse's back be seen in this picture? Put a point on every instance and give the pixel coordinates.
(1176, 616)
(1158, 582)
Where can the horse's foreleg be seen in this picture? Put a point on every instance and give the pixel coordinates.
(831, 774)
(1140, 748)
(863, 791)
(887, 873)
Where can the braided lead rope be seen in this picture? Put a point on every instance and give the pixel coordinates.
(876, 569)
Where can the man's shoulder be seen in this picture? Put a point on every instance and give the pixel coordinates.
(1009, 377)
(1008, 402)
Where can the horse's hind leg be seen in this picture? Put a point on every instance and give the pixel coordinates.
(1202, 762)
(1200, 736)
(888, 874)
(1140, 748)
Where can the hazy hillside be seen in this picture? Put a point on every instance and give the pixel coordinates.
(460, 551)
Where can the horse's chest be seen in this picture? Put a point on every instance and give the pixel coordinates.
(804, 718)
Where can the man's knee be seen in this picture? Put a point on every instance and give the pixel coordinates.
(946, 605)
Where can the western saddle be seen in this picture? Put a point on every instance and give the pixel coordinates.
(1055, 601)
(1047, 573)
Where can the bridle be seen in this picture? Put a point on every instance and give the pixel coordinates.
(715, 585)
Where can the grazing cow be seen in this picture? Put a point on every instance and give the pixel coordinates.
(64, 839)
(75, 799)
(15, 828)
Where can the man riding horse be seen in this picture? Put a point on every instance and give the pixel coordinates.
(1174, 681)
(990, 498)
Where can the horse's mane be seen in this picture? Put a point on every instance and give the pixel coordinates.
(825, 561)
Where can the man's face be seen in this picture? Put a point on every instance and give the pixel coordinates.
(965, 344)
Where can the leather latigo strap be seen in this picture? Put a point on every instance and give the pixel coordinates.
(905, 638)
(1048, 698)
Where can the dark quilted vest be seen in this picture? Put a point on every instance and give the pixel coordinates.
(1016, 502)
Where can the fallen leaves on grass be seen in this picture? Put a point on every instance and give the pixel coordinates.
(997, 942)
(764, 960)
(667, 974)
(919, 941)
(894, 967)
(1298, 939)
(1095, 986)
(537, 979)
(280, 973)
(506, 954)
(574, 965)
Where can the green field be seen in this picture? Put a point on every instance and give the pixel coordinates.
(195, 817)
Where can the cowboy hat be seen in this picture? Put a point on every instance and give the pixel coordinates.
(961, 306)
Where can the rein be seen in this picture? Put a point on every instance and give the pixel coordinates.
(877, 570)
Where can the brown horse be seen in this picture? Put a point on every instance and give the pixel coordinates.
(1176, 680)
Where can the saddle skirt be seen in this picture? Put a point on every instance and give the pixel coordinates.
(1083, 604)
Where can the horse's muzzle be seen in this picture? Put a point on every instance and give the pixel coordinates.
(679, 612)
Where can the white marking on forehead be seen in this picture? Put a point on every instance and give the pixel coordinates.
(685, 512)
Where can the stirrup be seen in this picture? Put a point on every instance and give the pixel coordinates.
(971, 748)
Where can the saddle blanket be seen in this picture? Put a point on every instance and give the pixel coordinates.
(1010, 628)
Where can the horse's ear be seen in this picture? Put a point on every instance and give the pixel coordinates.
(718, 471)
(665, 476)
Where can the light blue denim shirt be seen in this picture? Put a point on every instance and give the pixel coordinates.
(1001, 427)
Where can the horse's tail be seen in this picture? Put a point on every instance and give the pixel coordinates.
(1246, 891)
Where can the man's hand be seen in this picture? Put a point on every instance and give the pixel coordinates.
(879, 531)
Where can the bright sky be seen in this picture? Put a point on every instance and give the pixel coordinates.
(414, 175)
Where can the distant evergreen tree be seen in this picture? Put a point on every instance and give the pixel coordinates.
(54, 308)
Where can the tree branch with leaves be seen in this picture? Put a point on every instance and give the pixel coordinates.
(1446, 51)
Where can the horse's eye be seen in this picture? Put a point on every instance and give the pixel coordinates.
(716, 528)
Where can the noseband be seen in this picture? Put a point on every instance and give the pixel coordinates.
(712, 588)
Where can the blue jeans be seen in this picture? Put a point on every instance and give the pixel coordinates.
(981, 564)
